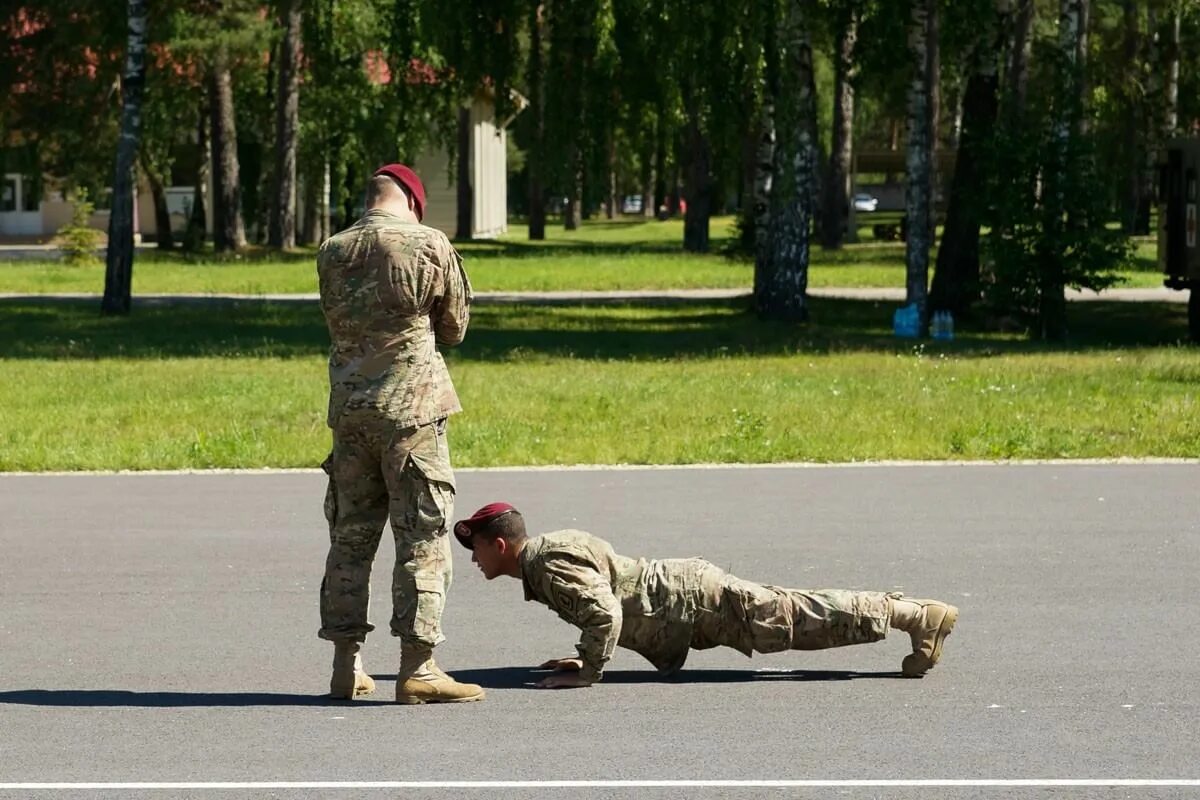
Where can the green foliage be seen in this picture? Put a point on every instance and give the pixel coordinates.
(1047, 211)
(77, 240)
(58, 67)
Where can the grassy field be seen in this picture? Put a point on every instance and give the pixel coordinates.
(244, 386)
(623, 254)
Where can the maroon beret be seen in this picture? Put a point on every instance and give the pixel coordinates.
(464, 529)
(409, 180)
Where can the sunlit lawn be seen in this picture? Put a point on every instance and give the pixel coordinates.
(244, 385)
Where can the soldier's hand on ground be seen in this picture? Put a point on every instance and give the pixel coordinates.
(563, 664)
(569, 680)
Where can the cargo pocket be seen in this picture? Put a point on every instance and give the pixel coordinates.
(431, 598)
(770, 619)
(754, 618)
(429, 451)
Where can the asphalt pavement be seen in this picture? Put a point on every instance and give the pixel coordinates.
(161, 630)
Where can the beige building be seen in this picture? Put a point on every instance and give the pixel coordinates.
(27, 218)
(486, 170)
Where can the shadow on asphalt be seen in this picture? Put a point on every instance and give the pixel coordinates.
(120, 698)
(525, 678)
(491, 678)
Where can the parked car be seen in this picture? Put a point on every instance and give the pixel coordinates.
(865, 202)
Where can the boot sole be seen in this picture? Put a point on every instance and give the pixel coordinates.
(420, 701)
(917, 664)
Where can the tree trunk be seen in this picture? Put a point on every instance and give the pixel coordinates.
(162, 215)
(118, 273)
(660, 165)
(697, 184)
(764, 172)
(1082, 123)
(1170, 110)
(917, 161)
(325, 223)
(1160, 109)
(282, 227)
(781, 290)
(537, 145)
(197, 225)
(933, 50)
(956, 277)
(954, 132)
(1132, 141)
(816, 178)
(1051, 322)
(464, 191)
(307, 230)
(585, 207)
(1018, 66)
(351, 185)
(747, 227)
(316, 199)
(837, 184)
(229, 231)
(610, 203)
(573, 214)
(647, 178)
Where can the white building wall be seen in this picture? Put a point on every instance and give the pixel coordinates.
(489, 217)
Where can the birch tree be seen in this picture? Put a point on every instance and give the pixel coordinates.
(118, 274)
(918, 161)
(229, 229)
(781, 276)
(282, 227)
(837, 185)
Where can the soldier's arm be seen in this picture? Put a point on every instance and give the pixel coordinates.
(584, 598)
(452, 310)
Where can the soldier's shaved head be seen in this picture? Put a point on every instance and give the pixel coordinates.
(509, 526)
(386, 194)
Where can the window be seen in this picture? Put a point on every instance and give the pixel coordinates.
(8, 194)
(30, 195)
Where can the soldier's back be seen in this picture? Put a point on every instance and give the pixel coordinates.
(379, 280)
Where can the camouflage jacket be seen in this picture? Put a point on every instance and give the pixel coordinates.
(647, 606)
(390, 291)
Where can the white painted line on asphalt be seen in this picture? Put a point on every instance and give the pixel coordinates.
(1036, 783)
(1032, 462)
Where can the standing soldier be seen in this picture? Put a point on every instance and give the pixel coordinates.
(391, 288)
(662, 609)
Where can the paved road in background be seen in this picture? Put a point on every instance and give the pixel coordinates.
(162, 628)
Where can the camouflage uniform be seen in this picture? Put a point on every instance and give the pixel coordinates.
(663, 608)
(390, 291)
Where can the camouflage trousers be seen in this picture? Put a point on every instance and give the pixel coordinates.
(750, 617)
(379, 474)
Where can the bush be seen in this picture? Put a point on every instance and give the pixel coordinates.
(77, 239)
(1047, 214)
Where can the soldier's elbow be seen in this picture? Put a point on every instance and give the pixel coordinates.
(451, 338)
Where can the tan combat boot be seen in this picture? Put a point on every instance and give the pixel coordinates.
(928, 622)
(420, 680)
(349, 679)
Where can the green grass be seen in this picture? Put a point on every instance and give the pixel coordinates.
(602, 255)
(244, 386)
